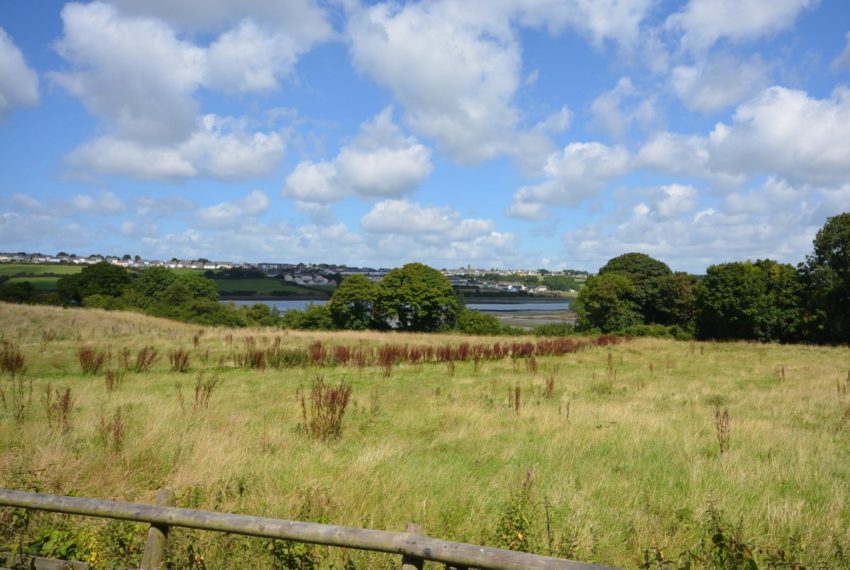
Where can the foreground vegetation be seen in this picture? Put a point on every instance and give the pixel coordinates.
(646, 453)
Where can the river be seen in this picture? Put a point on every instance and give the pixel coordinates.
(283, 305)
(525, 313)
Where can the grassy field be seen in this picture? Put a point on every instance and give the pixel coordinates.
(617, 461)
(40, 283)
(266, 286)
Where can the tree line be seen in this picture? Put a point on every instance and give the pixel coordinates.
(760, 300)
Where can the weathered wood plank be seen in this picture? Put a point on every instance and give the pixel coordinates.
(454, 553)
(155, 547)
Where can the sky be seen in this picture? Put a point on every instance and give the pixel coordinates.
(492, 133)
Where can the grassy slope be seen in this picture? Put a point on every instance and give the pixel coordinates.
(633, 464)
(12, 269)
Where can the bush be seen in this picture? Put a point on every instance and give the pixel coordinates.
(474, 322)
(660, 331)
(554, 329)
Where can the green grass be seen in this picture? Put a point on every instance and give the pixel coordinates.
(624, 458)
(29, 269)
(264, 287)
(40, 283)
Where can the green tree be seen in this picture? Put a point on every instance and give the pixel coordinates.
(154, 281)
(99, 279)
(351, 304)
(418, 297)
(676, 297)
(607, 303)
(746, 300)
(647, 275)
(826, 278)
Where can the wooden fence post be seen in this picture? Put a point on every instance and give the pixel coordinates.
(155, 546)
(411, 562)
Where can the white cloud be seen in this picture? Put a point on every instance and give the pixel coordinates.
(135, 73)
(18, 83)
(718, 82)
(303, 20)
(454, 75)
(704, 22)
(219, 147)
(236, 213)
(843, 60)
(785, 132)
(105, 203)
(249, 58)
(379, 162)
(690, 235)
(675, 199)
(404, 217)
(611, 115)
(437, 234)
(578, 172)
(675, 153)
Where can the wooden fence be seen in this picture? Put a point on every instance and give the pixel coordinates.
(414, 548)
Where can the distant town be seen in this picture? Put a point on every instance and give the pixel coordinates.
(495, 280)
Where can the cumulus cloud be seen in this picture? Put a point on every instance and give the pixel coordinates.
(18, 83)
(379, 162)
(436, 233)
(673, 227)
(219, 147)
(718, 82)
(466, 72)
(467, 61)
(404, 217)
(578, 172)
(785, 132)
(234, 213)
(675, 153)
(616, 110)
(135, 73)
(304, 20)
(704, 22)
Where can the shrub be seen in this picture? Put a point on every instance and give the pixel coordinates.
(515, 527)
(179, 359)
(323, 416)
(112, 431)
(554, 329)
(58, 406)
(12, 361)
(145, 358)
(91, 360)
(203, 391)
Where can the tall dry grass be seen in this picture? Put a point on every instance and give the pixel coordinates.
(624, 448)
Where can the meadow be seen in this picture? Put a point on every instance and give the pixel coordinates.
(628, 452)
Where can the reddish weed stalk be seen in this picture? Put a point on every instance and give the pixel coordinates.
(322, 416)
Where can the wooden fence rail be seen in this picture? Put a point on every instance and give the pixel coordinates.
(414, 548)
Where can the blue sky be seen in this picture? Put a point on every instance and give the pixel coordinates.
(497, 133)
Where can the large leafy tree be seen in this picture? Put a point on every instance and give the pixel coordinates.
(607, 303)
(676, 299)
(648, 275)
(351, 304)
(826, 278)
(418, 298)
(746, 300)
(99, 279)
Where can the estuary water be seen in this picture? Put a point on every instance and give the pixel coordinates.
(283, 305)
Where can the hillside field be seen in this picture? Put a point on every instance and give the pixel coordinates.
(616, 461)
